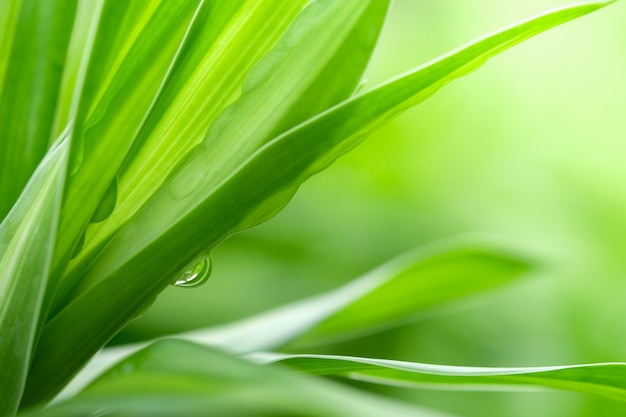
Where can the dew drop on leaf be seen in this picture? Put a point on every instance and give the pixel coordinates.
(195, 274)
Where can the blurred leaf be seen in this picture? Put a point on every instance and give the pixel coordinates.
(27, 238)
(394, 293)
(605, 379)
(180, 378)
(31, 67)
(419, 281)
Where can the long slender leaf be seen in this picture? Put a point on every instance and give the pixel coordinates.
(258, 188)
(289, 85)
(396, 292)
(605, 379)
(27, 238)
(180, 378)
(191, 213)
(423, 280)
(124, 73)
(315, 40)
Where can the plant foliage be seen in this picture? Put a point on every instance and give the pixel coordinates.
(137, 136)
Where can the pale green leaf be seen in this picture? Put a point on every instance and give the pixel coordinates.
(176, 378)
(418, 282)
(605, 379)
(397, 292)
(27, 237)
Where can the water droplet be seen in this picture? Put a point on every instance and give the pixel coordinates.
(197, 273)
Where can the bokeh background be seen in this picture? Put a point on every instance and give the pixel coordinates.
(532, 148)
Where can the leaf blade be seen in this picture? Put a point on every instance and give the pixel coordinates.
(306, 322)
(27, 238)
(180, 378)
(604, 379)
(255, 191)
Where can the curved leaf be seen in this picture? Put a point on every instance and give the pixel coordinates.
(180, 378)
(27, 238)
(126, 61)
(191, 212)
(396, 292)
(284, 77)
(605, 379)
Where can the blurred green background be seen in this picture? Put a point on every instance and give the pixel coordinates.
(530, 148)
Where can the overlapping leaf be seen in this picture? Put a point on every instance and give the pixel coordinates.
(27, 238)
(327, 28)
(396, 292)
(207, 79)
(201, 204)
(131, 51)
(31, 68)
(136, 89)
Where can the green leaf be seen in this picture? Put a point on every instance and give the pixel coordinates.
(204, 77)
(397, 292)
(31, 67)
(27, 238)
(191, 214)
(605, 379)
(316, 64)
(201, 204)
(179, 378)
(419, 281)
(126, 62)
(288, 74)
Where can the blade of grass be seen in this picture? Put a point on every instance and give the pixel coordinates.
(605, 379)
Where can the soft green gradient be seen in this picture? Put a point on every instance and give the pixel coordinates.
(530, 147)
